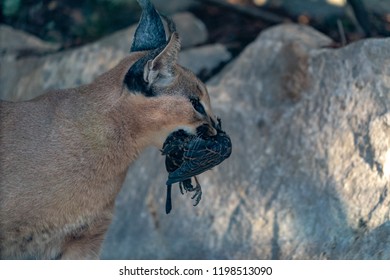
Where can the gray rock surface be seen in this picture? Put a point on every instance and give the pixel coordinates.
(309, 174)
(77, 66)
(16, 42)
(317, 9)
(204, 59)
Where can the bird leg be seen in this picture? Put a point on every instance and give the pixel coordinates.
(181, 188)
(188, 187)
(198, 192)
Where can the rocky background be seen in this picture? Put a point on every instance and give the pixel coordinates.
(308, 114)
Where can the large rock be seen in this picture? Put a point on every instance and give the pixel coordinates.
(74, 67)
(16, 42)
(309, 174)
(204, 59)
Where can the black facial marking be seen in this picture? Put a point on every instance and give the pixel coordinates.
(197, 105)
(134, 78)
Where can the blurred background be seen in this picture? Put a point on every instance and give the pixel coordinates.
(233, 23)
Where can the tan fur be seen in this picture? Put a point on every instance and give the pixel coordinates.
(64, 156)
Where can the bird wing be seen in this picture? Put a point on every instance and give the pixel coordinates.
(200, 156)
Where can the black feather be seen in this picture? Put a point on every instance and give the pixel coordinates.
(189, 155)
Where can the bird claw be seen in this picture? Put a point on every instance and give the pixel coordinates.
(188, 187)
(198, 194)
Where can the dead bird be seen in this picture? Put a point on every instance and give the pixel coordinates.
(188, 155)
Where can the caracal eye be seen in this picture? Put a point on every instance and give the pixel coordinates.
(197, 105)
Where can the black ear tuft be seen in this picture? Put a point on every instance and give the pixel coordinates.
(155, 70)
(150, 33)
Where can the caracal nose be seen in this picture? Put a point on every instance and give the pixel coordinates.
(212, 131)
(213, 126)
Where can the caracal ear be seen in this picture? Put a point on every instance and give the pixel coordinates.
(160, 71)
(150, 33)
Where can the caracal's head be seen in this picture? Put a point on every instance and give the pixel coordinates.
(164, 91)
